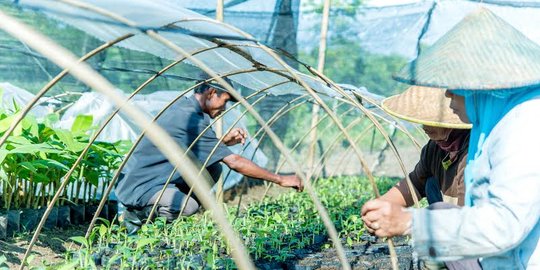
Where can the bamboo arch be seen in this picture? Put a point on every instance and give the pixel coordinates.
(156, 134)
(282, 148)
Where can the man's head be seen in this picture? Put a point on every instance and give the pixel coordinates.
(457, 104)
(212, 98)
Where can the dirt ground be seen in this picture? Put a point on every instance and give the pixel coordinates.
(52, 244)
(50, 247)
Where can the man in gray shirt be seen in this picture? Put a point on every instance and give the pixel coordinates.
(149, 169)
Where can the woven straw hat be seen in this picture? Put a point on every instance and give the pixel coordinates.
(482, 52)
(424, 105)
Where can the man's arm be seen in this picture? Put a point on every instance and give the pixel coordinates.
(250, 169)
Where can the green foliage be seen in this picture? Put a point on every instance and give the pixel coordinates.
(273, 230)
(347, 62)
(37, 156)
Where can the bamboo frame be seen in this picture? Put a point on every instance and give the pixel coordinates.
(163, 141)
(298, 143)
(320, 67)
(154, 35)
(324, 214)
(346, 153)
(128, 155)
(203, 167)
(295, 76)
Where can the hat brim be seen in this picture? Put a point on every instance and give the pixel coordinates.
(219, 87)
(426, 106)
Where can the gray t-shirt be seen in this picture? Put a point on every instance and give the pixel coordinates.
(149, 169)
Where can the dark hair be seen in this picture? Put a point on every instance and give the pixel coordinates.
(205, 86)
(212, 84)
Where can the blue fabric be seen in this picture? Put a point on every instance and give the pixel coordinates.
(484, 110)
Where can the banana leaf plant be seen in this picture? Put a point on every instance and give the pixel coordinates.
(36, 157)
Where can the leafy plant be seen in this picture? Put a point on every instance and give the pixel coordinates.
(274, 230)
(37, 156)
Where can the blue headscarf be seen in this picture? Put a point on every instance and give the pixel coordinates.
(485, 109)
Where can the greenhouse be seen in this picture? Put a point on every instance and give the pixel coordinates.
(269, 134)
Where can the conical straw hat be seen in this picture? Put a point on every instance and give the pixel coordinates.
(424, 105)
(482, 52)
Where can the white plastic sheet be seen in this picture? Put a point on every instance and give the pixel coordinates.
(121, 128)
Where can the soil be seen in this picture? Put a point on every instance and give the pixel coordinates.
(371, 254)
(50, 247)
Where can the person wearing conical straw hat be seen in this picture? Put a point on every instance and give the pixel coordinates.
(496, 69)
(438, 175)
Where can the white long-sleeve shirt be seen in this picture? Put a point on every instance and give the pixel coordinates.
(503, 225)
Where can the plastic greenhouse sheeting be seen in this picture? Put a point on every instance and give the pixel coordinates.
(395, 29)
(12, 96)
(122, 128)
(183, 27)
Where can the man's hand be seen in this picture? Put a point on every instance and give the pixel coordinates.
(291, 181)
(386, 219)
(235, 136)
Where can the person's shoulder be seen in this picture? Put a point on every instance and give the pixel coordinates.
(529, 109)
(184, 104)
(520, 117)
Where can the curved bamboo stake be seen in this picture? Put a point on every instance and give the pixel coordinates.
(104, 124)
(269, 123)
(130, 152)
(349, 138)
(275, 139)
(203, 167)
(318, 167)
(128, 155)
(160, 138)
(346, 153)
(320, 67)
(318, 204)
(19, 117)
(324, 214)
(105, 196)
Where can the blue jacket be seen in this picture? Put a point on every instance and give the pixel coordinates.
(503, 224)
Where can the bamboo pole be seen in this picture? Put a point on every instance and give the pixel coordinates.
(219, 10)
(203, 167)
(219, 123)
(154, 35)
(320, 67)
(128, 155)
(102, 127)
(322, 211)
(65, 59)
